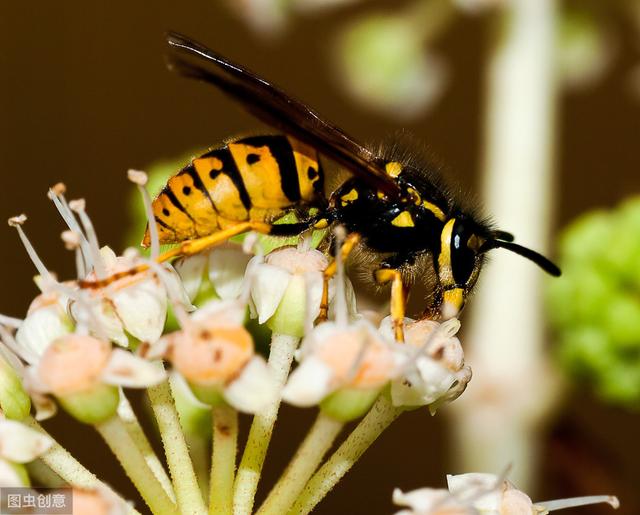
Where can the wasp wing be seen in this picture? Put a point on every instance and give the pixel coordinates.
(272, 106)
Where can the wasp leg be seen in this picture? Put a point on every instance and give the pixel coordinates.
(186, 248)
(348, 245)
(398, 298)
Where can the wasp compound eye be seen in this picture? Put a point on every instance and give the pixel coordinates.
(464, 249)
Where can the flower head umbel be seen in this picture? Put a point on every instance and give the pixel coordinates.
(483, 494)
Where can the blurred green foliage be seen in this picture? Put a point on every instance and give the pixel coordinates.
(595, 305)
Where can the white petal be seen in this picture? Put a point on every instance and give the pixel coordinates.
(223, 313)
(40, 328)
(104, 321)
(175, 289)
(436, 379)
(9, 478)
(125, 369)
(267, 289)
(142, 308)
(404, 393)
(472, 485)
(191, 271)
(313, 283)
(309, 383)
(44, 405)
(109, 257)
(254, 389)
(226, 271)
(21, 444)
(420, 501)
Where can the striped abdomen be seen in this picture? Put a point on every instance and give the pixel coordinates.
(250, 179)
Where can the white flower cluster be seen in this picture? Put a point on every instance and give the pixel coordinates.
(483, 494)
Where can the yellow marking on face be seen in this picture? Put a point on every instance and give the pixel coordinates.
(321, 224)
(452, 302)
(380, 194)
(349, 197)
(393, 168)
(415, 196)
(308, 168)
(444, 258)
(437, 212)
(404, 219)
(260, 174)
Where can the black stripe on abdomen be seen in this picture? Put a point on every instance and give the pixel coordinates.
(230, 169)
(282, 152)
(197, 182)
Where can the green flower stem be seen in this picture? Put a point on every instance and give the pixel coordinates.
(318, 441)
(382, 414)
(246, 484)
(185, 483)
(130, 420)
(60, 461)
(115, 434)
(223, 459)
(200, 454)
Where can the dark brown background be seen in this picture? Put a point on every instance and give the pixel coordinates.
(84, 95)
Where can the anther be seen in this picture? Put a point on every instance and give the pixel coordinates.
(140, 179)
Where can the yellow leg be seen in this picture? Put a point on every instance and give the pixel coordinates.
(348, 245)
(186, 248)
(398, 299)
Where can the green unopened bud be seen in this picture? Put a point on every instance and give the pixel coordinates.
(92, 406)
(209, 394)
(289, 317)
(14, 400)
(195, 419)
(349, 404)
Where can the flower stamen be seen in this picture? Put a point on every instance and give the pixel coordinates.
(17, 222)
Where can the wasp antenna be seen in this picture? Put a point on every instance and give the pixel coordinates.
(502, 235)
(546, 264)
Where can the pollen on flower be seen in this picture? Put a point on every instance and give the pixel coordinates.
(208, 354)
(71, 239)
(78, 204)
(59, 188)
(358, 357)
(15, 221)
(73, 363)
(137, 177)
(296, 261)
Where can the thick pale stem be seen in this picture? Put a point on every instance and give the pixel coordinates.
(246, 484)
(223, 460)
(507, 326)
(115, 434)
(318, 441)
(129, 419)
(185, 483)
(381, 415)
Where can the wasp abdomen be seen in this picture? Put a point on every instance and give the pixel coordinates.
(249, 179)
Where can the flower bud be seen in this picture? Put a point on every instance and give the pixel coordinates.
(14, 400)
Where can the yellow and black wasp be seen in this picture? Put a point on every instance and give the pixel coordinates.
(391, 208)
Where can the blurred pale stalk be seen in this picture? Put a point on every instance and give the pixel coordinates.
(499, 419)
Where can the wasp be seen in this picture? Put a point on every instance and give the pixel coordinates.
(395, 211)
